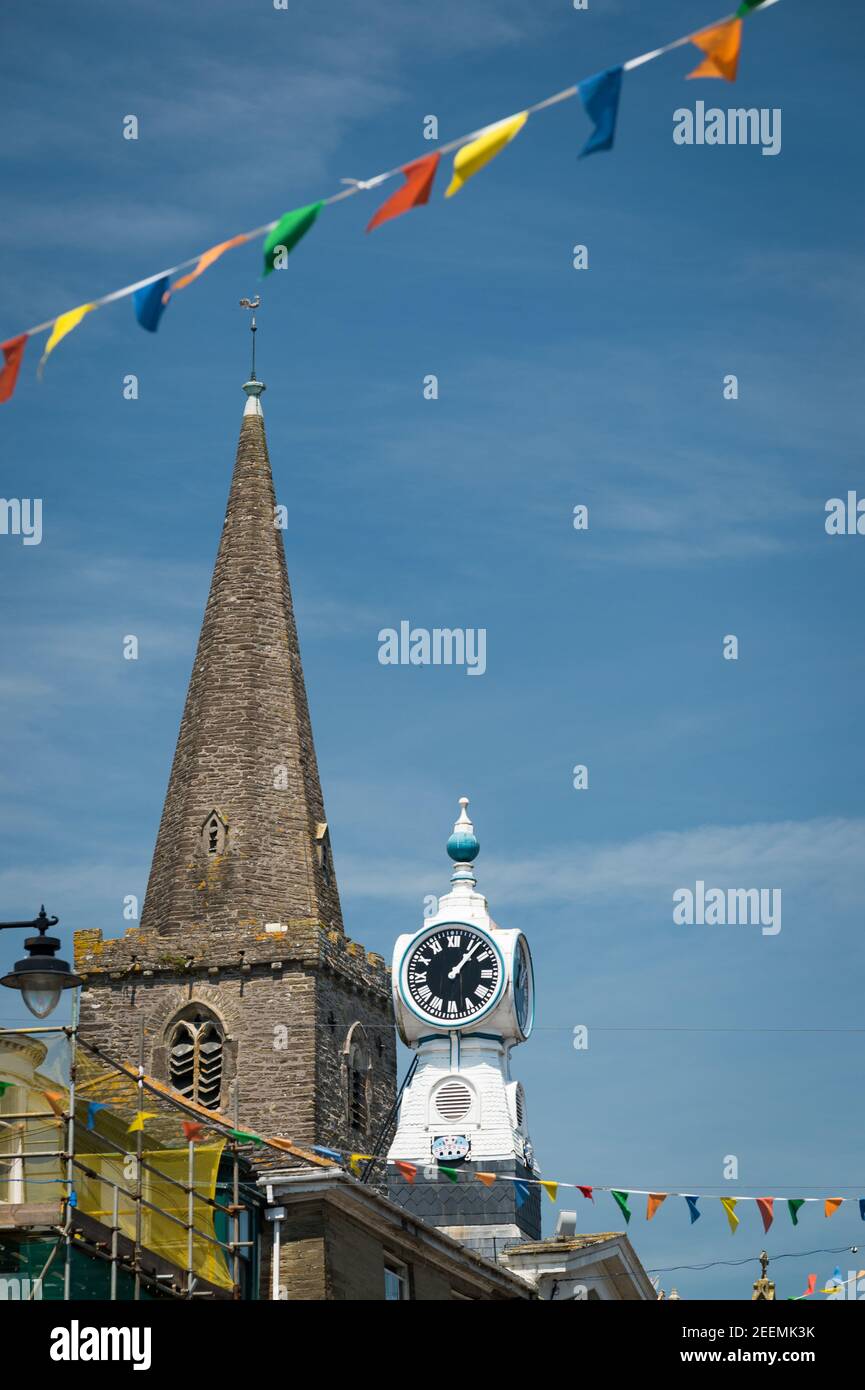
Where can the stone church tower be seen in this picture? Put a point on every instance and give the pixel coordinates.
(249, 992)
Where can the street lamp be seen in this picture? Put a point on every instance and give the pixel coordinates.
(40, 978)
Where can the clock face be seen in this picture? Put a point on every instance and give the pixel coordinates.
(446, 1146)
(523, 987)
(453, 975)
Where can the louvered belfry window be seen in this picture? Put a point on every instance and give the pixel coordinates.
(195, 1060)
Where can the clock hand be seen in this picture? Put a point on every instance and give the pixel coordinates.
(452, 974)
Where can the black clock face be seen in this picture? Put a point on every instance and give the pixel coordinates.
(522, 987)
(453, 974)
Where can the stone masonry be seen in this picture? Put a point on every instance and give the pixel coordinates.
(242, 913)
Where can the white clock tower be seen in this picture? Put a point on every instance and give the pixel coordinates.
(463, 996)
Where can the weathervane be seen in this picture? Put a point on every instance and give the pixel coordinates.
(253, 305)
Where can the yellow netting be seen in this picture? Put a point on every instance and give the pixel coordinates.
(35, 1070)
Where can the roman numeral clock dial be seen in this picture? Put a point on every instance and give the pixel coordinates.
(453, 975)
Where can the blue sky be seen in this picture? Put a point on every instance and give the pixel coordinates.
(556, 387)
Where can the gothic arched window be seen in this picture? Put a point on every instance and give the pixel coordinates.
(214, 833)
(195, 1057)
(358, 1078)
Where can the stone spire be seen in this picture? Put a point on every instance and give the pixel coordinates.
(243, 840)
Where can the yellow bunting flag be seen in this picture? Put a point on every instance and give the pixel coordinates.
(205, 261)
(653, 1201)
(62, 326)
(486, 1178)
(477, 153)
(138, 1122)
(721, 46)
(831, 1205)
(729, 1205)
(551, 1188)
(355, 1160)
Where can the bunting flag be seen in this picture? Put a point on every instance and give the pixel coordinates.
(522, 1192)
(205, 261)
(551, 1188)
(812, 1284)
(289, 230)
(721, 46)
(93, 1108)
(766, 1206)
(419, 177)
(4, 1087)
(653, 1201)
(450, 1173)
(62, 326)
(355, 1160)
(587, 1192)
(149, 303)
(621, 1200)
(138, 1123)
(862, 1208)
(794, 1203)
(729, 1205)
(193, 1131)
(13, 353)
(486, 1178)
(244, 1136)
(408, 1170)
(327, 1153)
(692, 1208)
(472, 157)
(831, 1205)
(57, 1102)
(600, 98)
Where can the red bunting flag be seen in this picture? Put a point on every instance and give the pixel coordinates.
(587, 1192)
(812, 1284)
(419, 176)
(408, 1170)
(13, 352)
(193, 1131)
(767, 1210)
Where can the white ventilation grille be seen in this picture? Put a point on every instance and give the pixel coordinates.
(519, 1107)
(453, 1101)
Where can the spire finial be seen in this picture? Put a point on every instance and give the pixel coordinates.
(253, 387)
(463, 846)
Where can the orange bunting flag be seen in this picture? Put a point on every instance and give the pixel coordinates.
(419, 176)
(56, 1101)
(408, 1170)
(193, 1131)
(138, 1122)
(729, 1205)
(205, 261)
(486, 1178)
(721, 46)
(13, 352)
(654, 1200)
(812, 1284)
(766, 1207)
(551, 1188)
(831, 1205)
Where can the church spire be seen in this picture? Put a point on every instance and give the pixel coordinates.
(243, 839)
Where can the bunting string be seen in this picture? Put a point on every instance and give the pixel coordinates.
(719, 42)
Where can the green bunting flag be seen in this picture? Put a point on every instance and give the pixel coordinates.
(4, 1087)
(450, 1173)
(622, 1200)
(746, 7)
(794, 1203)
(245, 1137)
(286, 234)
